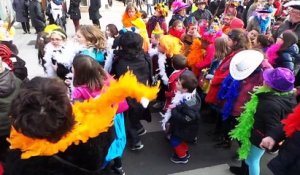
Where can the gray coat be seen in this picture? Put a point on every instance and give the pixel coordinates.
(9, 88)
(94, 9)
(21, 10)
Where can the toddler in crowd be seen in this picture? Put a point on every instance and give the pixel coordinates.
(183, 115)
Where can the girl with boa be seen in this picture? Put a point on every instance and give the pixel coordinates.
(268, 105)
(131, 13)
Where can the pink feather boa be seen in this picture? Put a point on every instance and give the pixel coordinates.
(271, 53)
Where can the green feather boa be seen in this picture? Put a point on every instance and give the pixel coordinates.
(242, 130)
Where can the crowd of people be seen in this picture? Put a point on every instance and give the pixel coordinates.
(233, 62)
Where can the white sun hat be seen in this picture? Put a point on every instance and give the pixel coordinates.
(292, 3)
(244, 63)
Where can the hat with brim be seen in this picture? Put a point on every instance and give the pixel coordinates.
(244, 63)
(280, 79)
(178, 5)
(293, 4)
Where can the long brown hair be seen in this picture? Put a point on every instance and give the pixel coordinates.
(221, 47)
(95, 37)
(88, 72)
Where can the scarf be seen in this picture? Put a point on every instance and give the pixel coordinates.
(263, 23)
(242, 130)
(178, 99)
(229, 91)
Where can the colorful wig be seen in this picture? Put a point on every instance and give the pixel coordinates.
(171, 44)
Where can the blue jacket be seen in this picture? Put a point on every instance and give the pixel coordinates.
(288, 57)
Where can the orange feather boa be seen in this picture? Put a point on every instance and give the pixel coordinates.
(195, 56)
(92, 117)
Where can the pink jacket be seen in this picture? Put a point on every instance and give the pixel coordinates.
(84, 93)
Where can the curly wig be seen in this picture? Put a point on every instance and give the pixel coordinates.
(171, 44)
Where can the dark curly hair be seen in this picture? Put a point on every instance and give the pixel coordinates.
(42, 109)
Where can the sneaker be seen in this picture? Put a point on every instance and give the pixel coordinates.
(141, 131)
(137, 146)
(177, 159)
(119, 171)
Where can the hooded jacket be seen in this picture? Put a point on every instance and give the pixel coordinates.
(288, 57)
(9, 88)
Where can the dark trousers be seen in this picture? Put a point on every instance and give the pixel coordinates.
(4, 145)
(96, 22)
(26, 27)
(76, 24)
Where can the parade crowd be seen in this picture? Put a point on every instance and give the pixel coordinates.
(234, 63)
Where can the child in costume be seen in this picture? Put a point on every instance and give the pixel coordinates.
(245, 73)
(179, 64)
(177, 29)
(179, 11)
(92, 42)
(58, 56)
(191, 34)
(131, 56)
(131, 13)
(60, 138)
(160, 14)
(89, 79)
(183, 115)
(268, 105)
(285, 52)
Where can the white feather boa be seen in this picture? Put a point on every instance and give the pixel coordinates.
(178, 99)
(162, 68)
(109, 60)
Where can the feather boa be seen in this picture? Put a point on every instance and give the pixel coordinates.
(292, 122)
(178, 99)
(195, 56)
(90, 119)
(229, 91)
(242, 131)
(153, 51)
(126, 20)
(272, 53)
(109, 60)
(162, 68)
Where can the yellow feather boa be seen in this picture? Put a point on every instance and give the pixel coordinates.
(92, 118)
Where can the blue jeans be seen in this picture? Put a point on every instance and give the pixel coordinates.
(253, 160)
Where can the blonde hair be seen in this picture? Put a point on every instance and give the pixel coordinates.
(221, 47)
(94, 36)
(171, 44)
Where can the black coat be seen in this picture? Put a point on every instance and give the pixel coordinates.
(141, 66)
(89, 156)
(287, 162)
(184, 121)
(37, 15)
(74, 10)
(21, 9)
(270, 111)
(94, 9)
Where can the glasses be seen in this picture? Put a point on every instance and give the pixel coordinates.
(56, 39)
